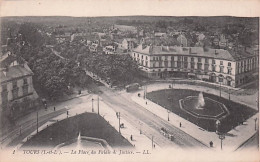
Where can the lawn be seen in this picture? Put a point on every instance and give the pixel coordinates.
(90, 125)
(169, 98)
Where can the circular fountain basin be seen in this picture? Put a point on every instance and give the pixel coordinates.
(84, 143)
(211, 110)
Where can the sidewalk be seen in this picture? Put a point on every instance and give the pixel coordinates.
(237, 136)
(28, 121)
(140, 141)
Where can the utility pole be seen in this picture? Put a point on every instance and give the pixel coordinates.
(152, 142)
(98, 104)
(119, 121)
(37, 122)
(92, 105)
(228, 94)
(219, 89)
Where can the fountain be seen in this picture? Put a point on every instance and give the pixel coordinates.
(201, 101)
(79, 142)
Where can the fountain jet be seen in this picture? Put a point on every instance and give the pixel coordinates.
(201, 101)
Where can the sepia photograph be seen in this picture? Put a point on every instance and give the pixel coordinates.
(129, 80)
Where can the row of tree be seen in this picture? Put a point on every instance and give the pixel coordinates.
(53, 76)
(115, 69)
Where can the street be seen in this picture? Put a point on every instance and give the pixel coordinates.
(149, 123)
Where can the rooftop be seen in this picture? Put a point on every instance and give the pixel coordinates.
(14, 72)
(192, 51)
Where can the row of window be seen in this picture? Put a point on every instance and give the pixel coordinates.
(192, 66)
(14, 84)
(185, 59)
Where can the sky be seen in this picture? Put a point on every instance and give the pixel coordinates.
(91, 8)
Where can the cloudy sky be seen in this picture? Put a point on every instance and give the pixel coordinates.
(129, 7)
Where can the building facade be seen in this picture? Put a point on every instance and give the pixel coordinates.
(17, 91)
(214, 65)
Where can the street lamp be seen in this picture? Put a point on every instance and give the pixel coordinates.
(92, 105)
(168, 115)
(37, 122)
(228, 94)
(98, 104)
(255, 123)
(119, 121)
(219, 89)
(221, 137)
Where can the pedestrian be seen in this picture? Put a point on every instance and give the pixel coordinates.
(54, 108)
(154, 146)
(131, 137)
(180, 124)
(146, 102)
(67, 112)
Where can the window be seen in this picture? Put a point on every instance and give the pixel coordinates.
(160, 58)
(220, 79)
(142, 57)
(192, 65)
(14, 84)
(179, 58)
(146, 57)
(185, 65)
(179, 64)
(172, 58)
(199, 59)
(4, 87)
(213, 62)
(192, 59)
(229, 63)
(25, 81)
(185, 59)
(206, 60)
(134, 54)
(15, 93)
(138, 55)
(221, 62)
(206, 67)
(221, 70)
(199, 66)
(213, 68)
(166, 57)
(229, 71)
(25, 89)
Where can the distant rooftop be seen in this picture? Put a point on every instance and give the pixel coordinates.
(192, 51)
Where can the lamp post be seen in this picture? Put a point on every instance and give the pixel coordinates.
(219, 89)
(228, 94)
(92, 105)
(119, 121)
(168, 115)
(221, 137)
(98, 104)
(255, 123)
(37, 122)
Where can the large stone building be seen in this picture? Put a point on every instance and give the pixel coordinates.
(214, 65)
(17, 92)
